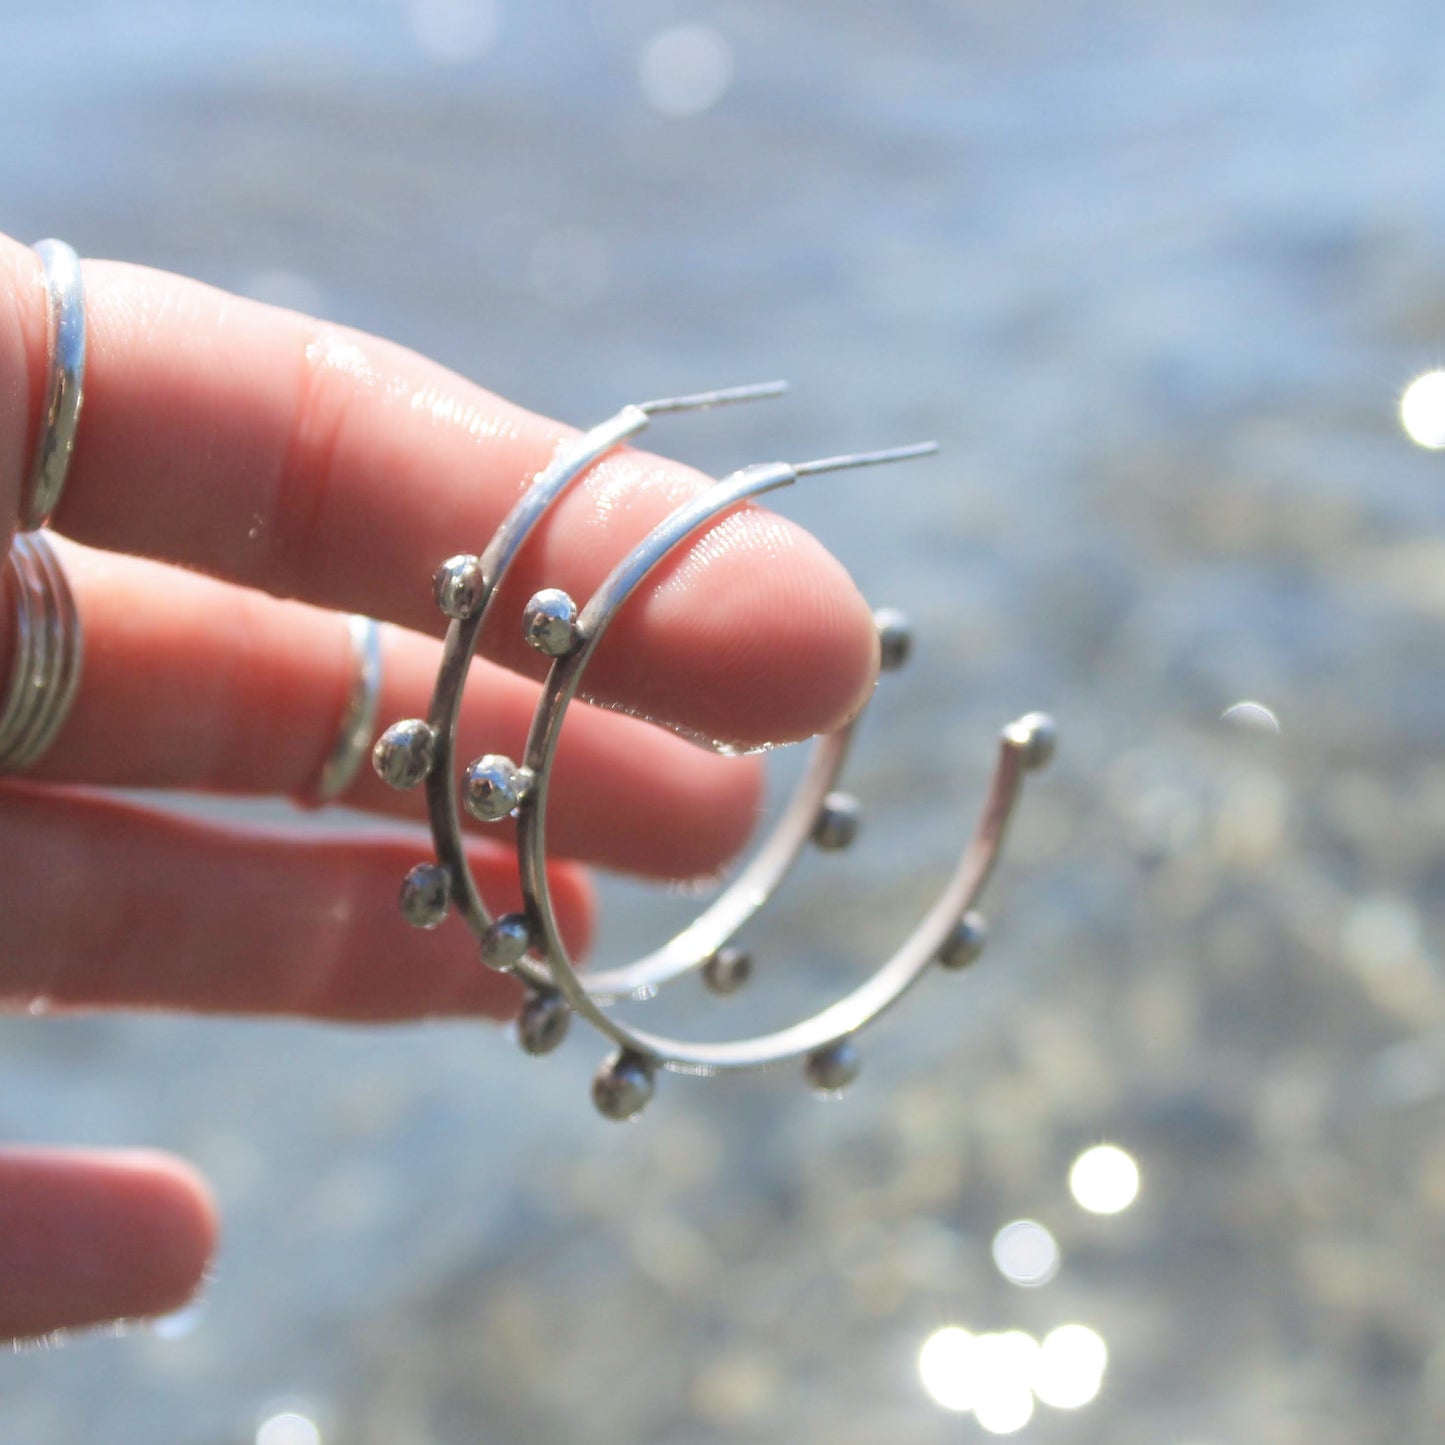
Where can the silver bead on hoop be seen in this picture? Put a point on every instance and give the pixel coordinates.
(549, 623)
(543, 1022)
(426, 895)
(895, 638)
(64, 383)
(837, 824)
(966, 943)
(404, 753)
(832, 1068)
(727, 971)
(623, 1086)
(493, 787)
(458, 586)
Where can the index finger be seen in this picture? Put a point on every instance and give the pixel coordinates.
(316, 462)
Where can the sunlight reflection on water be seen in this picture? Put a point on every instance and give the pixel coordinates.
(1422, 410)
(1104, 1179)
(686, 70)
(999, 1376)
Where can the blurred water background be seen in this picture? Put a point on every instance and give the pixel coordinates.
(1155, 276)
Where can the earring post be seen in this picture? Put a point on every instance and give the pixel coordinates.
(865, 459)
(728, 396)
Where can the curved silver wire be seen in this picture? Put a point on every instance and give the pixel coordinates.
(1019, 748)
(701, 940)
(869, 1000)
(572, 459)
(64, 383)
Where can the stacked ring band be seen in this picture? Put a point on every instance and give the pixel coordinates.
(528, 944)
(47, 639)
(47, 642)
(45, 668)
(358, 716)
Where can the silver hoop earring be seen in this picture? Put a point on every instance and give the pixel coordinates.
(528, 944)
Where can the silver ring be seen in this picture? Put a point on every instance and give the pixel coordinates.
(45, 668)
(358, 718)
(64, 385)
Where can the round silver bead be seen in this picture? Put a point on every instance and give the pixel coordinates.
(458, 586)
(404, 753)
(1035, 736)
(727, 971)
(426, 895)
(506, 942)
(895, 638)
(966, 941)
(833, 1068)
(492, 787)
(542, 1023)
(623, 1085)
(549, 622)
(837, 824)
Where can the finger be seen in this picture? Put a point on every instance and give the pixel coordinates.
(86, 1238)
(313, 462)
(104, 902)
(194, 683)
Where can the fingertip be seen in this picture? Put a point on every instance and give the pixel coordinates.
(846, 650)
(768, 638)
(176, 1225)
(92, 1237)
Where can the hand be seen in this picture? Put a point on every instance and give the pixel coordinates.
(240, 472)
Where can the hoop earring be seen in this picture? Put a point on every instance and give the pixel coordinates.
(529, 944)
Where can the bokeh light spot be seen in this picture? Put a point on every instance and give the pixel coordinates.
(1026, 1253)
(454, 31)
(1003, 1392)
(1069, 1370)
(1422, 410)
(686, 70)
(1251, 717)
(946, 1367)
(1104, 1179)
(999, 1376)
(288, 1428)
